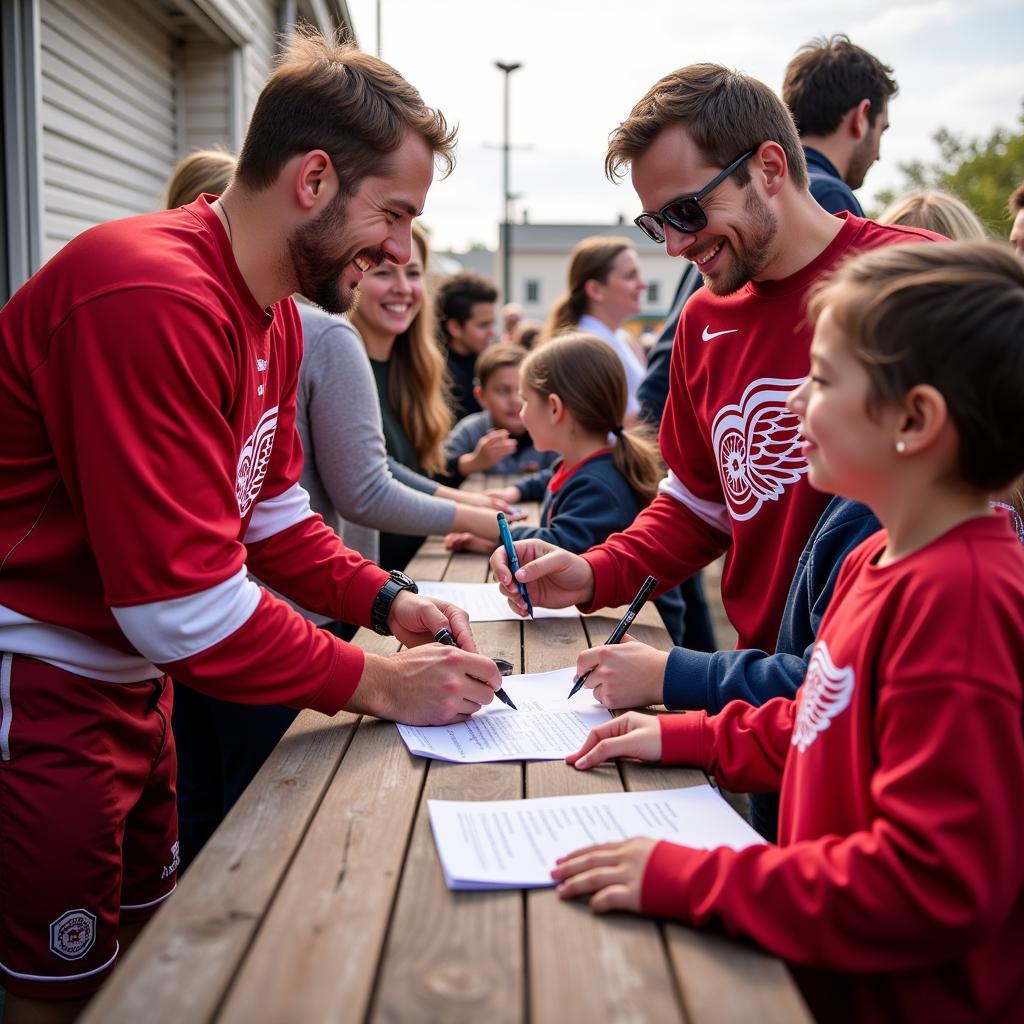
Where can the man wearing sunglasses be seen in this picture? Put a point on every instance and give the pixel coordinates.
(717, 164)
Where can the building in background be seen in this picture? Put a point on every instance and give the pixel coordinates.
(101, 98)
(539, 264)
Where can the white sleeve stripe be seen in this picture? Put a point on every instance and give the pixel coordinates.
(711, 512)
(166, 631)
(273, 515)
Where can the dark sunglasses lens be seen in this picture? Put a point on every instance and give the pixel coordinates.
(650, 225)
(685, 215)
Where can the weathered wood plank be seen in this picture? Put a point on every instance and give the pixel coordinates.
(723, 981)
(207, 925)
(583, 968)
(453, 957)
(316, 956)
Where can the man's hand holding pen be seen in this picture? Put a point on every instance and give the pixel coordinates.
(554, 578)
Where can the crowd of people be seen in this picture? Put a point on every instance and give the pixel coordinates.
(231, 424)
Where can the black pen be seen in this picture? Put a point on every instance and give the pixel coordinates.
(620, 630)
(444, 636)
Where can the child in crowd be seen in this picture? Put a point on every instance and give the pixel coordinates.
(494, 440)
(573, 403)
(897, 889)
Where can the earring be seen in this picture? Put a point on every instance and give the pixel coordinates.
(901, 447)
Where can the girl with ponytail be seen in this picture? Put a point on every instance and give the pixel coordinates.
(574, 403)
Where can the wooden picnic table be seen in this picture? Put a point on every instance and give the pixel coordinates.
(321, 898)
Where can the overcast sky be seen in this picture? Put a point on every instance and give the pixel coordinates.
(586, 62)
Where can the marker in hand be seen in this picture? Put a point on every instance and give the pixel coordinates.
(620, 630)
(444, 636)
(513, 559)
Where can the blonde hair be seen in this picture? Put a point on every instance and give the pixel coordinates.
(588, 377)
(591, 260)
(938, 211)
(203, 170)
(417, 378)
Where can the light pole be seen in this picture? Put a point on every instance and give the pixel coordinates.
(505, 194)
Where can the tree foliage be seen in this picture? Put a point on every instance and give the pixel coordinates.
(982, 172)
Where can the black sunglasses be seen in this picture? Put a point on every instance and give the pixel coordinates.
(685, 213)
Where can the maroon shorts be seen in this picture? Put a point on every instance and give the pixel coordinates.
(88, 828)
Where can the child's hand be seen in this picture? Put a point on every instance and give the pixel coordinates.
(624, 675)
(613, 872)
(469, 542)
(630, 735)
(494, 446)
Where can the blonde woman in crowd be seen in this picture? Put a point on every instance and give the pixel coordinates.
(938, 211)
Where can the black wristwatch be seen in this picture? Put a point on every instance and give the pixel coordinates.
(386, 598)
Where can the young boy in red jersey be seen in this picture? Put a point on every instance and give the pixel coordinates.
(897, 887)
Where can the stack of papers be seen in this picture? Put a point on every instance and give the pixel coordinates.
(483, 602)
(546, 727)
(513, 844)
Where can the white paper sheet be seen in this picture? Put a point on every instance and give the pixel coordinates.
(546, 726)
(513, 844)
(483, 601)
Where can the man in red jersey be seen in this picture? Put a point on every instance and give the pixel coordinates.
(717, 163)
(149, 461)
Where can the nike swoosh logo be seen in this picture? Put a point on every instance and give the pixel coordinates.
(709, 334)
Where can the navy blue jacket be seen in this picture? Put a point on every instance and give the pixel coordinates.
(830, 191)
(593, 503)
(695, 680)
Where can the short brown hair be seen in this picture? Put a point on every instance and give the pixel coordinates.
(495, 358)
(1016, 201)
(331, 96)
(725, 113)
(950, 315)
(205, 170)
(459, 293)
(830, 76)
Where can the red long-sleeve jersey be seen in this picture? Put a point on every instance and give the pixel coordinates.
(897, 887)
(149, 458)
(737, 479)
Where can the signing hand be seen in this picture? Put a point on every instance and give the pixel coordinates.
(555, 578)
(624, 675)
(613, 872)
(629, 735)
(416, 620)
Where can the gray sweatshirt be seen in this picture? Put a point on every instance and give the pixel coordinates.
(347, 471)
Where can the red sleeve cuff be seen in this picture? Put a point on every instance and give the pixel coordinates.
(665, 885)
(361, 592)
(604, 571)
(684, 738)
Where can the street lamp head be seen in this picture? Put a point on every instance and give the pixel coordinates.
(507, 68)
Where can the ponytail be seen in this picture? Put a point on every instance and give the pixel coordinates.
(636, 457)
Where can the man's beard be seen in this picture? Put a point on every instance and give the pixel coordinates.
(756, 253)
(313, 250)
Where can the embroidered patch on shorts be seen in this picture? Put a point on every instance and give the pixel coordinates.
(73, 934)
(169, 869)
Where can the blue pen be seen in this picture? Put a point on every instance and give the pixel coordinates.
(513, 559)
